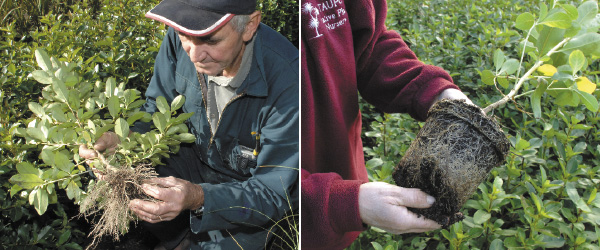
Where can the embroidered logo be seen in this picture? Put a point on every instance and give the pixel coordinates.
(330, 13)
(313, 11)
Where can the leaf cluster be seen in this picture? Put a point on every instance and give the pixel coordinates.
(75, 112)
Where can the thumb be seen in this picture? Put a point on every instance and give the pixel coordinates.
(413, 197)
(107, 140)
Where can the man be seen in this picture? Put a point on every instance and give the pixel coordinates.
(347, 49)
(240, 78)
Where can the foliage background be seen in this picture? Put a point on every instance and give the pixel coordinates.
(105, 38)
(545, 195)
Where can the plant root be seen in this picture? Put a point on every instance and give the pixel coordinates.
(452, 154)
(110, 198)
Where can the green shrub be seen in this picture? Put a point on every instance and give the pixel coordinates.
(545, 194)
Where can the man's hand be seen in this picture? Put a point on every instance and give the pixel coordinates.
(107, 143)
(453, 94)
(175, 195)
(384, 206)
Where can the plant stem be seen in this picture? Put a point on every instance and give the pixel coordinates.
(68, 177)
(524, 78)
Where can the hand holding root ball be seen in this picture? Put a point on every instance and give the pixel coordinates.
(385, 205)
(174, 195)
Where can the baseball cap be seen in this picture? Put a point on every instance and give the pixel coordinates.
(199, 17)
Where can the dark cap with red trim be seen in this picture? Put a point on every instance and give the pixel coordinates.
(199, 17)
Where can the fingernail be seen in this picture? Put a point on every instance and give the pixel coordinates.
(430, 200)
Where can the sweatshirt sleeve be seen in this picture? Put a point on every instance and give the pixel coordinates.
(329, 209)
(389, 74)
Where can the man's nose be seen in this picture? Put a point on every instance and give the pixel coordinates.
(198, 53)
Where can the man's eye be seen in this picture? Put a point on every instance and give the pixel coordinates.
(210, 41)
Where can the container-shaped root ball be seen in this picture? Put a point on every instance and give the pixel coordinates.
(451, 155)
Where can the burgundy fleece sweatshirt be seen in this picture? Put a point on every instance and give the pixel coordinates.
(347, 49)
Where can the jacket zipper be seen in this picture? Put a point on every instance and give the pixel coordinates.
(221, 116)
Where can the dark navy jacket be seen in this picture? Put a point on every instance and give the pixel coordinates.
(267, 103)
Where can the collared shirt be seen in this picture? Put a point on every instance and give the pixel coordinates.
(221, 89)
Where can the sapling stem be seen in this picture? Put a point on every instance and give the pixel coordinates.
(524, 78)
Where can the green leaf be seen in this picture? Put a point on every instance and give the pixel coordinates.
(57, 114)
(135, 117)
(64, 237)
(11, 68)
(487, 77)
(111, 85)
(130, 95)
(536, 99)
(186, 138)
(589, 101)
(497, 245)
(36, 109)
(548, 38)
(42, 77)
(567, 98)
(42, 59)
(543, 10)
(60, 89)
(536, 201)
(26, 181)
(557, 20)
(159, 121)
(576, 60)
(571, 11)
(62, 162)
(574, 196)
(113, 106)
(587, 12)
(588, 43)
(74, 99)
(376, 246)
(26, 168)
(503, 82)
(72, 190)
(180, 119)
(37, 134)
(525, 21)
(177, 102)
(162, 105)
(40, 202)
(499, 59)
(481, 217)
(509, 67)
(122, 128)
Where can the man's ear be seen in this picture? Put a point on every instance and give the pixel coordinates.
(251, 26)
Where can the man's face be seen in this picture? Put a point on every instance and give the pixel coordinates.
(219, 53)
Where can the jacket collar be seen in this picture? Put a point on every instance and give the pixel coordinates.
(255, 83)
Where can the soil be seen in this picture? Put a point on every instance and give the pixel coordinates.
(452, 154)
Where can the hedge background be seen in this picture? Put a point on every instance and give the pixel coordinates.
(545, 194)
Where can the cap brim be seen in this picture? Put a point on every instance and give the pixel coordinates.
(188, 19)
